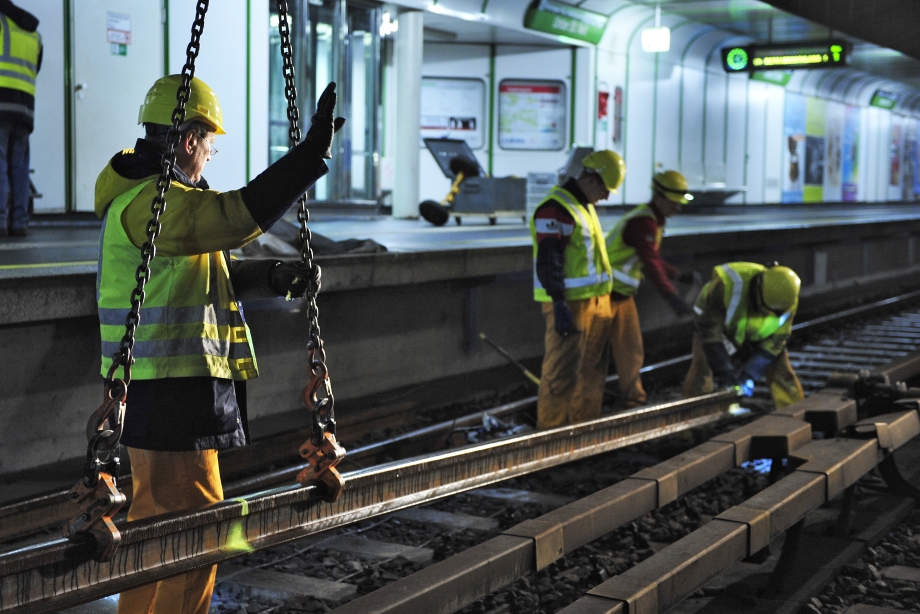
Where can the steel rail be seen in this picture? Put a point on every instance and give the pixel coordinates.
(60, 573)
(30, 516)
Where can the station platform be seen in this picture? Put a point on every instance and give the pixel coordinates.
(411, 315)
(62, 242)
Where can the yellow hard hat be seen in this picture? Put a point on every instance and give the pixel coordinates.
(609, 165)
(673, 186)
(160, 103)
(779, 288)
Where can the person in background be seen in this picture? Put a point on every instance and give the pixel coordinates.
(193, 351)
(745, 310)
(572, 282)
(19, 66)
(634, 250)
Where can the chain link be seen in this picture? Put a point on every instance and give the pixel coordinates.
(323, 415)
(124, 356)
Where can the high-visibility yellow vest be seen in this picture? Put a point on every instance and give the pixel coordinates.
(625, 264)
(741, 322)
(586, 270)
(19, 59)
(190, 323)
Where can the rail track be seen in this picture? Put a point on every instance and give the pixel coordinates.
(59, 573)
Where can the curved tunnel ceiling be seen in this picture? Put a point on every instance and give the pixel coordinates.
(501, 21)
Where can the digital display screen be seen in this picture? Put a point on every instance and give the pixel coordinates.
(785, 56)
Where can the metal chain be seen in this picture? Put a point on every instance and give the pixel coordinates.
(124, 356)
(323, 417)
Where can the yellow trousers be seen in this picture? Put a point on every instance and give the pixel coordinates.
(574, 368)
(628, 351)
(782, 380)
(170, 482)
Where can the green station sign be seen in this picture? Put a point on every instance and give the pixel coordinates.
(554, 17)
(884, 99)
(785, 56)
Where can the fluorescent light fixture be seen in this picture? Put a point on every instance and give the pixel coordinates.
(387, 25)
(656, 40)
(443, 10)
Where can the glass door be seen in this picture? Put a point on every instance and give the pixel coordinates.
(339, 41)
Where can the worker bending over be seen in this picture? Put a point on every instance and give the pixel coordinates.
(193, 350)
(572, 281)
(634, 249)
(746, 308)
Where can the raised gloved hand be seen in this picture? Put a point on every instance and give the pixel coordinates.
(562, 313)
(679, 306)
(323, 125)
(294, 280)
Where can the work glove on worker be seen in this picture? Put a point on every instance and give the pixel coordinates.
(562, 314)
(753, 369)
(323, 125)
(679, 306)
(294, 280)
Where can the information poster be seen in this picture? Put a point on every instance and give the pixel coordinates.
(794, 149)
(815, 148)
(894, 152)
(850, 153)
(531, 115)
(833, 158)
(909, 160)
(453, 109)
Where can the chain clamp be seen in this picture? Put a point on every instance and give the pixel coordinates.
(322, 452)
(97, 492)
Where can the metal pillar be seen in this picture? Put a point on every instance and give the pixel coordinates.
(408, 111)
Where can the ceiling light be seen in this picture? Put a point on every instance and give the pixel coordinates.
(442, 10)
(657, 39)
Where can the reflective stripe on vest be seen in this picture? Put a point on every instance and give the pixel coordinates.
(740, 324)
(190, 324)
(625, 263)
(19, 59)
(586, 269)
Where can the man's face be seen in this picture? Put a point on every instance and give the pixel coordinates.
(193, 153)
(594, 188)
(666, 206)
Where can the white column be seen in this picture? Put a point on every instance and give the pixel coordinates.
(409, 40)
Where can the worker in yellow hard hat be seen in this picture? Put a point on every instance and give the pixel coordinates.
(572, 282)
(746, 310)
(634, 250)
(193, 350)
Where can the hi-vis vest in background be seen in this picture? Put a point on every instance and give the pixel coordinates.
(19, 59)
(190, 323)
(625, 264)
(586, 270)
(741, 323)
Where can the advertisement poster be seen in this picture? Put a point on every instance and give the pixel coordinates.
(850, 163)
(894, 176)
(833, 152)
(453, 109)
(602, 125)
(793, 148)
(531, 115)
(909, 160)
(815, 148)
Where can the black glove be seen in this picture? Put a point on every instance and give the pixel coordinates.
(323, 125)
(757, 364)
(294, 280)
(719, 361)
(565, 325)
(687, 278)
(679, 306)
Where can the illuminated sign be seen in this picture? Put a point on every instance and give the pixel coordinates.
(884, 99)
(785, 56)
(563, 19)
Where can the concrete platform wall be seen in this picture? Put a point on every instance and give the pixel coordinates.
(392, 320)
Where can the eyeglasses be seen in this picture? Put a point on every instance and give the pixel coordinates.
(212, 150)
